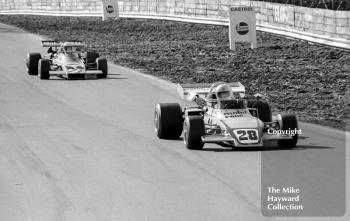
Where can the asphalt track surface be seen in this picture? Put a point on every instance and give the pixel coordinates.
(86, 150)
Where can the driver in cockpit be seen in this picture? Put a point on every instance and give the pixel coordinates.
(72, 51)
(51, 52)
(226, 98)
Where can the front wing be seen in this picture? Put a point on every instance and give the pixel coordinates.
(88, 74)
(218, 138)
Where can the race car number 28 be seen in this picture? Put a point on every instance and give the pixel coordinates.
(247, 135)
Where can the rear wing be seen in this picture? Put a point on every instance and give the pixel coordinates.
(189, 91)
(74, 43)
(49, 43)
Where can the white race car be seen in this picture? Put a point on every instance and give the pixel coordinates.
(66, 60)
(223, 114)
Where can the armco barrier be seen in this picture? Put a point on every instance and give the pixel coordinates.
(316, 25)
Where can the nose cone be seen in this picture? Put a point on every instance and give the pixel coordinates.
(239, 119)
(243, 122)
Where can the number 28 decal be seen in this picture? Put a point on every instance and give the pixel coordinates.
(247, 135)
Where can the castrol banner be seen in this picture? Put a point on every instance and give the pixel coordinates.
(242, 25)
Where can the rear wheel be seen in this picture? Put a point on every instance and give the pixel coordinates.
(168, 119)
(193, 132)
(91, 56)
(32, 61)
(102, 66)
(289, 122)
(44, 69)
(264, 109)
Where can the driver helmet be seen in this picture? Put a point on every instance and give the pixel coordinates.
(223, 92)
(68, 48)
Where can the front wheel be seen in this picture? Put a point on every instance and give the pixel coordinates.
(32, 61)
(289, 122)
(193, 132)
(44, 69)
(102, 66)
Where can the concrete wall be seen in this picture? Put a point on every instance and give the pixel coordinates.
(64, 6)
(319, 23)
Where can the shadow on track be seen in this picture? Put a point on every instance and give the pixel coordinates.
(92, 79)
(114, 78)
(224, 148)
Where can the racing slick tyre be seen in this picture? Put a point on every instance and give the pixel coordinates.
(103, 66)
(44, 69)
(168, 120)
(32, 61)
(193, 132)
(91, 56)
(289, 122)
(264, 109)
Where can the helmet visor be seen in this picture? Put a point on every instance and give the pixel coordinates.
(223, 94)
